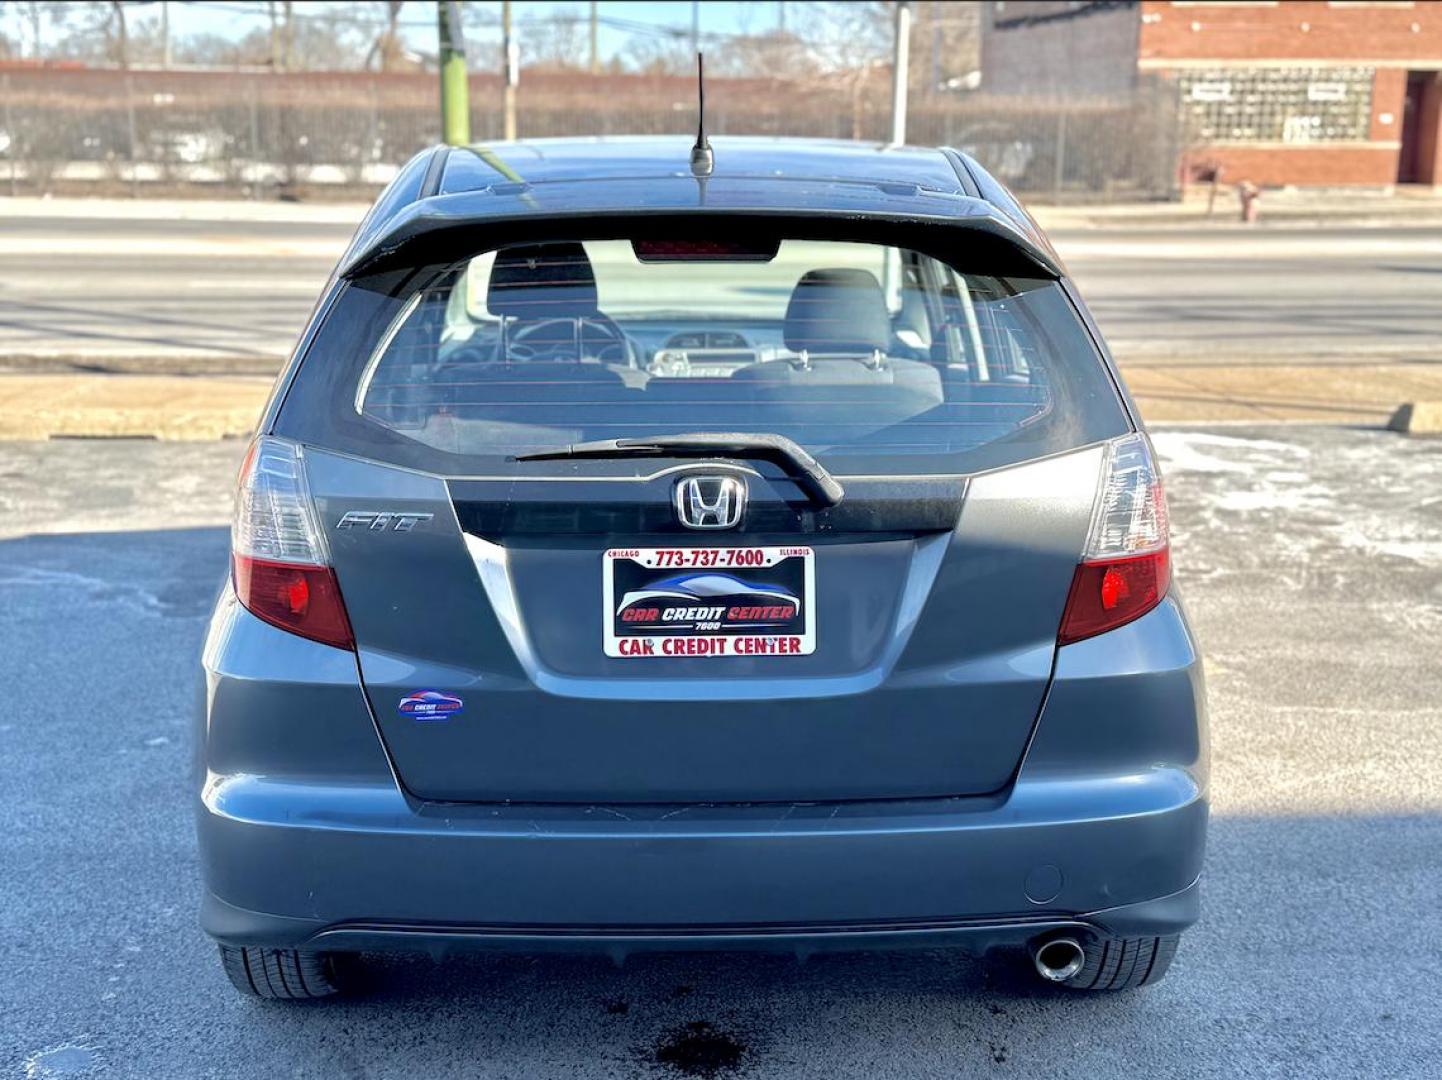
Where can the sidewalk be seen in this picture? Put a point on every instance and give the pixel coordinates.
(213, 407)
(1284, 209)
(239, 210)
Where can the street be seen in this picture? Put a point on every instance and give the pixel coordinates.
(87, 291)
(1311, 562)
(1334, 294)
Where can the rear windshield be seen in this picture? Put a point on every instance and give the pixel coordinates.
(873, 358)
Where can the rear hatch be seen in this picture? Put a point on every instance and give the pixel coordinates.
(546, 612)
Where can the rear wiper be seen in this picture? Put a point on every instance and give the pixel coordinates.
(818, 484)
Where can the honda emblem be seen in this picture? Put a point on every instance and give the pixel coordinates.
(710, 502)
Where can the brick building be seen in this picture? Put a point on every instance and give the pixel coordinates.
(1304, 92)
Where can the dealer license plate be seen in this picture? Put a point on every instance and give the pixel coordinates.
(710, 601)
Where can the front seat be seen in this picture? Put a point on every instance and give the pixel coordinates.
(838, 311)
(546, 294)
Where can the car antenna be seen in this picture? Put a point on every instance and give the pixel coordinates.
(703, 159)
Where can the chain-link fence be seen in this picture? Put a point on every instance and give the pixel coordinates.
(107, 131)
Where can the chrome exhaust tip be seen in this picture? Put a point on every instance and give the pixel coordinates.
(1058, 959)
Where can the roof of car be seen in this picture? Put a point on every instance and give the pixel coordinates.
(450, 190)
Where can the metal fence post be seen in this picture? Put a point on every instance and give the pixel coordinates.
(130, 125)
(1059, 160)
(371, 151)
(10, 131)
(255, 155)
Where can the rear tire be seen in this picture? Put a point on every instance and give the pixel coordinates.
(1124, 963)
(287, 974)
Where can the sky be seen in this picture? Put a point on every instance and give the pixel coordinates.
(234, 18)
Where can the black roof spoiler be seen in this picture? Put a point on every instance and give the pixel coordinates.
(445, 229)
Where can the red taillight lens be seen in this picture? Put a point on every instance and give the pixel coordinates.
(280, 563)
(305, 600)
(1111, 593)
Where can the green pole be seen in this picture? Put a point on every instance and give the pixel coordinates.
(455, 96)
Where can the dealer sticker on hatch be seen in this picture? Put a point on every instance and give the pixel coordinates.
(710, 601)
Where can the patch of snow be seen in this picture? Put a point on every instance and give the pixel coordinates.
(67, 1059)
(1187, 451)
(1269, 497)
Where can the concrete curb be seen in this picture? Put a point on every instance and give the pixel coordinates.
(1418, 418)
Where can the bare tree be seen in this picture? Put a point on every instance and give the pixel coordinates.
(558, 42)
(846, 35)
(659, 55)
(275, 52)
(945, 45)
(87, 31)
(775, 54)
(389, 47)
(851, 45)
(287, 59)
(218, 51)
(34, 10)
(122, 41)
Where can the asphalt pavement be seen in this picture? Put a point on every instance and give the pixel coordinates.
(116, 286)
(1311, 562)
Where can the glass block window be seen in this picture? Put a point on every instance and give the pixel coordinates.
(1293, 105)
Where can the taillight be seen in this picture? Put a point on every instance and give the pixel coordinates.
(1126, 566)
(279, 562)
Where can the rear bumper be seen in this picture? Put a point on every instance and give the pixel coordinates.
(359, 866)
(1164, 915)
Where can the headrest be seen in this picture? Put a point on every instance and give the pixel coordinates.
(837, 310)
(542, 281)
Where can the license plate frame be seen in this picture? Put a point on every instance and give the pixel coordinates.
(770, 612)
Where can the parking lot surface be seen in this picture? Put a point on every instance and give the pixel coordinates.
(1311, 562)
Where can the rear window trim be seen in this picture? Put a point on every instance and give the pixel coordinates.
(363, 384)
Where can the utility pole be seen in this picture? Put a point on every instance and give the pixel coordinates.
(455, 97)
(901, 56)
(695, 26)
(511, 57)
(165, 33)
(595, 52)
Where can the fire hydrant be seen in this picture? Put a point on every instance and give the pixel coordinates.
(1250, 195)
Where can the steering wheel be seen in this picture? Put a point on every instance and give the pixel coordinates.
(557, 348)
(559, 338)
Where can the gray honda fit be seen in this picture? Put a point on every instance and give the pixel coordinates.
(644, 555)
